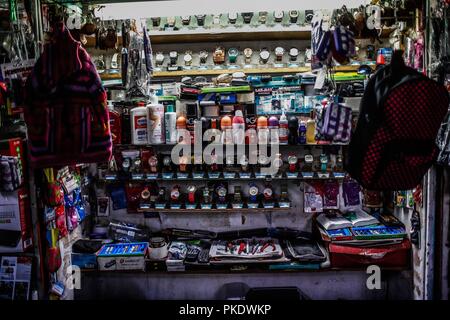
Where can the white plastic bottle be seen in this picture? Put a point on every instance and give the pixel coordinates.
(155, 123)
(170, 125)
(238, 128)
(284, 129)
(139, 131)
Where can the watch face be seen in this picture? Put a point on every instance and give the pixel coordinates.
(221, 192)
(278, 14)
(293, 52)
(243, 161)
(175, 194)
(232, 15)
(268, 192)
(248, 52)
(203, 54)
(253, 190)
(262, 159)
(279, 51)
(308, 54)
(173, 54)
(309, 158)
(191, 189)
(186, 18)
(264, 54)
(166, 161)
(153, 161)
(187, 57)
(233, 52)
(278, 162)
(292, 160)
(293, 13)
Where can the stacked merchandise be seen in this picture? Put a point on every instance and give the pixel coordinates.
(357, 238)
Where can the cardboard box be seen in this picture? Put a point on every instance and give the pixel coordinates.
(391, 256)
(84, 260)
(15, 222)
(122, 256)
(15, 148)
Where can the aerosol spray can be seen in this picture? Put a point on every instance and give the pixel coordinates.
(274, 130)
(293, 130)
(284, 129)
(238, 128)
(263, 131)
(170, 125)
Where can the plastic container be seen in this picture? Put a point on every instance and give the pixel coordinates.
(274, 128)
(227, 132)
(170, 125)
(155, 123)
(310, 131)
(238, 128)
(139, 131)
(283, 133)
(263, 130)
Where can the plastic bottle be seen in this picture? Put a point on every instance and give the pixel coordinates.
(238, 128)
(302, 132)
(263, 130)
(274, 128)
(180, 124)
(155, 123)
(284, 129)
(170, 125)
(293, 130)
(310, 131)
(115, 123)
(227, 132)
(139, 133)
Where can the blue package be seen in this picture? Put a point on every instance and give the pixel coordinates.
(118, 197)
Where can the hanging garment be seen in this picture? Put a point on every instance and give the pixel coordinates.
(393, 145)
(65, 110)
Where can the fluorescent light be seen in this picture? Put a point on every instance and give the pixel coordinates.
(139, 10)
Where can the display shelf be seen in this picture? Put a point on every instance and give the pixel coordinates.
(212, 211)
(246, 146)
(244, 33)
(221, 178)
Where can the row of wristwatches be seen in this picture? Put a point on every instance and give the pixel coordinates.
(322, 166)
(214, 197)
(221, 56)
(233, 19)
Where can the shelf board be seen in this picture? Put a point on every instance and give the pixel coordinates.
(230, 210)
(211, 72)
(231, 33)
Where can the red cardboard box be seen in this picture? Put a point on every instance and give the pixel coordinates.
(15, 222)
(392, 256)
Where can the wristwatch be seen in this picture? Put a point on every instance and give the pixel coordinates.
(233, 54)
(268, 192)
(191, 193)
(264, 55)
(167, 163)
(309, 15)
(293, 54)
(339, 164)
(292, 161)
(253, 192)
(203, 55)
(159, 58)
(243, 161)
(221, 192)
(232, 17)
(214, 166)
(308, 54)
(171, 21)
(126, 164)
(162, 194)
(284, 192)
(156, 21)
(153, 163)
(137, 165)
(278, 15)
(229, 162)
(200, 19)
(323, 162)
(262, 17)
(219, 55)
(206, 195)
(216, 19)
(185, 20)
(187, 58)
(247, 17)
(173, 55)
(237, 197)
(309, 160)
(175, 193)
(293, 16)
(278, 161)
(183, 163)
(279, 51)
(145, 195)
(248, 52)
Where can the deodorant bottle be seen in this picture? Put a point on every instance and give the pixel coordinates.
(139, 131)
(170, 125)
